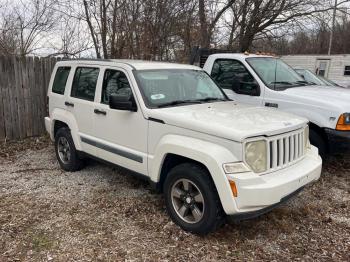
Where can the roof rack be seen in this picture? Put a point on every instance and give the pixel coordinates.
(99, 59)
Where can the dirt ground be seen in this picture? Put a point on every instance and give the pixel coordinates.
(103, 214)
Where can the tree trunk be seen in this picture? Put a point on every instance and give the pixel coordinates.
(204, 41)
(92, 31)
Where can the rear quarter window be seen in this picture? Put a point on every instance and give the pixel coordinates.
(60, 80)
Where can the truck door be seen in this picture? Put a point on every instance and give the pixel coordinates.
(237, 82)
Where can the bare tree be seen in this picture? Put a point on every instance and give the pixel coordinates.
(251, 18)
(28, 23)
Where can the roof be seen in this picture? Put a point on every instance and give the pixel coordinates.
(135, 64)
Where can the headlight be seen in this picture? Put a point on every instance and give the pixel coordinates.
(256, 155)
(306, 138)
(343, 122)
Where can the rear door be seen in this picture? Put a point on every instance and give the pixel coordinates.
(237, 82)
(81, 102)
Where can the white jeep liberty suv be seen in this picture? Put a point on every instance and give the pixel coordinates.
(170, 123)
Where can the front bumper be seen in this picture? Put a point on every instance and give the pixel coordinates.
(253, 214)
(338, 141)
(259, 192)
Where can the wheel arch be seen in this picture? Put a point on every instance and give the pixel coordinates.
(175, 149)
(63, 118)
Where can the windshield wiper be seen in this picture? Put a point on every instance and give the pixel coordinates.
(179, 102)
(207, 99)
(282, 82)
(305, 82)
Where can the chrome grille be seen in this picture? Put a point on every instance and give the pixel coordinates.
(285, 149)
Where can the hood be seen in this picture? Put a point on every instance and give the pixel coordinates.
(331, 96)
(229, 120)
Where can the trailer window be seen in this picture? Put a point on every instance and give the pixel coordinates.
(347, 71)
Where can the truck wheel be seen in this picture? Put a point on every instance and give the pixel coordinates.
(318, 141)
(192, 200)
(65, 151)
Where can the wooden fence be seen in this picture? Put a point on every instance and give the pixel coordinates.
(23, 89)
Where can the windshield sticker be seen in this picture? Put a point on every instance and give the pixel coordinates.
(157, 96)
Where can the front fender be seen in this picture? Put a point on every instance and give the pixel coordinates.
(211, 155)
(68, 118)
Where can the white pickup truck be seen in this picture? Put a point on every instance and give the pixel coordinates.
(267, 81)
(173, 125)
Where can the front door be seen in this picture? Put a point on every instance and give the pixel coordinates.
(237, 82)
(121, 135)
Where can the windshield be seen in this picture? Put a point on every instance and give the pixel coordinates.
(275, 73)
(310, 77)
(171, 87)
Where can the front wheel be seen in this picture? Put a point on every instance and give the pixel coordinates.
(192, 200)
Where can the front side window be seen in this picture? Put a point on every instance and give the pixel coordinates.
(61, 76)
(171, 87)
(232, 74)
(84, 83)
(347, 71)
(275, 73)
(114, 82)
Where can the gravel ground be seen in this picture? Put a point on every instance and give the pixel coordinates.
(101, 213)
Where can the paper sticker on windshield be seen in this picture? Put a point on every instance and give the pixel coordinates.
(157, 96)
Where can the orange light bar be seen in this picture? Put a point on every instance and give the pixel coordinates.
(233, 188)
(342, 125)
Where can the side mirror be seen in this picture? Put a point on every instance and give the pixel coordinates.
(248, 88)
(122, 102)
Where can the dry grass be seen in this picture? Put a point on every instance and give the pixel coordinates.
(101, 213)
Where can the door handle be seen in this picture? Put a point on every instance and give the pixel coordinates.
(100, 112)
(69, 104)
(271, 104)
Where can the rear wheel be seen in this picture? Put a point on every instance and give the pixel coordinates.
(318, 141)
(192, 200)
(66, 152)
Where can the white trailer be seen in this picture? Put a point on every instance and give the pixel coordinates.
(333, 67)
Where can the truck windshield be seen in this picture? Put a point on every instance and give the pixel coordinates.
(275, 73)
(173, 87)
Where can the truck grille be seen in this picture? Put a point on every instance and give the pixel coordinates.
(285, 149)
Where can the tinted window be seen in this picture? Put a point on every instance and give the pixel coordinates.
(59, 83)
(347, 71)
(232, 74)
(114, 82)
(84, 83)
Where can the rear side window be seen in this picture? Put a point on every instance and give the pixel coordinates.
(114, 82)
(84, 83)
(59, 83)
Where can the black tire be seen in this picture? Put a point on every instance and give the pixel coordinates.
(318, 141)
(74, 163)
(213, 215)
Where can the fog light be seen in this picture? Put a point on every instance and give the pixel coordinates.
(238, 167)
